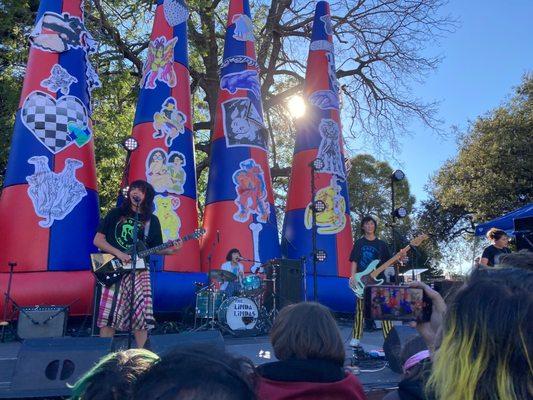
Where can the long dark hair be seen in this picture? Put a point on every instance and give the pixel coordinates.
(147, 205)
(487, 343)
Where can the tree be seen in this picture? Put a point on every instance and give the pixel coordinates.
(491, 174)
(379, 50)
(369, 188)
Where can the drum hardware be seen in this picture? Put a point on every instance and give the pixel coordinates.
(222, 275)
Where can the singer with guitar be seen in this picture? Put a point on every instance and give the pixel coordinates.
(365, 250)
(115, 236)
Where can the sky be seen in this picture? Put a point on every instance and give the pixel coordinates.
(483, 61)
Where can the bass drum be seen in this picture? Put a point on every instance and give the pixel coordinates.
(238, 313)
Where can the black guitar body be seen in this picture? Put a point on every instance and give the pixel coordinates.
(113, 270)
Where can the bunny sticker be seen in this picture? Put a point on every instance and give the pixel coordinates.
(243, 124)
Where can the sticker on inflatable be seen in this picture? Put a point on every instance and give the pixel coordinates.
(169, 122)
(332, 73)
(333, 218)
(58, 33)
(245, 80)
(159, 65)
(91, 77)
(59, 79)
(165, 210)
(330, 148)
(325, 100)
(243, 125)
(251, 191)
(56, 123)
(326, 19)
(175, 12)
(239, 60)
(321, 45)
(54, 195)
(166, 173)
(244, 28)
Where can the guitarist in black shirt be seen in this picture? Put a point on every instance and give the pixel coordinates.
(115, 236)
(365, 250)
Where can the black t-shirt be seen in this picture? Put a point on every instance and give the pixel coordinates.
(118, 230)
(365, 251)
(492, 253)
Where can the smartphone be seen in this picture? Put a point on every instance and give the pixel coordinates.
(396, 303)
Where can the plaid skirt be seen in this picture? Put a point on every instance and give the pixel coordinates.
(114, 310)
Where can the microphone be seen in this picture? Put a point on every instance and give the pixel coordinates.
(136, 199)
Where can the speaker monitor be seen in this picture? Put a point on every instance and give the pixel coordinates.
(42, 322)
(45, 366)
(524, 235)
(161, 344)
(288, 280)
(395, 343)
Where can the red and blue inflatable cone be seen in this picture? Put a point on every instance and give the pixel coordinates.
(239, 211)
(49, 203)
(319, 136)
(165, 155)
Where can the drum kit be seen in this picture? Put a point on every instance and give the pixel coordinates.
(241, 312)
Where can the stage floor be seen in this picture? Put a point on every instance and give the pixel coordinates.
(257, 349)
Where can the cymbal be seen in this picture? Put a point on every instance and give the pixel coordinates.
(222, 275)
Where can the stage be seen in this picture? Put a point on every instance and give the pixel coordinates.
(27, 374)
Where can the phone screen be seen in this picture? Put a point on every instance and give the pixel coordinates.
(399, 303)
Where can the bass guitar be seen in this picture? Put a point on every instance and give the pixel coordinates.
(369, 276)
(108, 269)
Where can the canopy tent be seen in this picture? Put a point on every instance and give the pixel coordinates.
(505, 222)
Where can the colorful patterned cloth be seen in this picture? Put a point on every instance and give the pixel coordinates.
(114, 308)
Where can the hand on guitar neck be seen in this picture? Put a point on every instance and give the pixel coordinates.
(361, 279)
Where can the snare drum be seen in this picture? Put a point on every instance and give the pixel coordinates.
(252, 284)
(238, 313)
(206, 300)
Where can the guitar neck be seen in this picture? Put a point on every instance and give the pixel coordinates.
(170, 243)
(388, 263)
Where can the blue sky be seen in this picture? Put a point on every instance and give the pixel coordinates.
(483, 60)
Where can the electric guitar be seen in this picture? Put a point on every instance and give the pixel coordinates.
(369, 276)
(108, 269)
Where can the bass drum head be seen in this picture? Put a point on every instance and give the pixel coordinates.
(238, 313)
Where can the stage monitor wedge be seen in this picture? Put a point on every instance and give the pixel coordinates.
(45, 366)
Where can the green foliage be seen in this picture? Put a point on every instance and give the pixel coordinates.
(491, 174)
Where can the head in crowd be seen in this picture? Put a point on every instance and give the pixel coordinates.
(498, 237)
(147, 203)
(114, 376)
(521, 259)
(413, 356)
(198, 373)
(307, 331)
(366, 219)
(487, 346)
(229, 256)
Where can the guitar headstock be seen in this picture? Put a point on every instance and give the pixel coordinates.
(417, 241)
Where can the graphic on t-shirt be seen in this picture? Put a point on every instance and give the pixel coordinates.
(124, 232)
(368, 254)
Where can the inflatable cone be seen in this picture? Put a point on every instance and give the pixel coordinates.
(239, 211)
(165, 155)
(319, 137)
(49, 203)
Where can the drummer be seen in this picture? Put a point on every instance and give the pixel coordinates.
(233, 265)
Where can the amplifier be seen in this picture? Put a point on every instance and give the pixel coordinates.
(287, 274)
(42, 322)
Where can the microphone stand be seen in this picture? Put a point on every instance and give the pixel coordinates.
(7, 297)
(133, 267)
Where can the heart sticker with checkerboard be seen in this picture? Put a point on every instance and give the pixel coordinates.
(56, 123)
